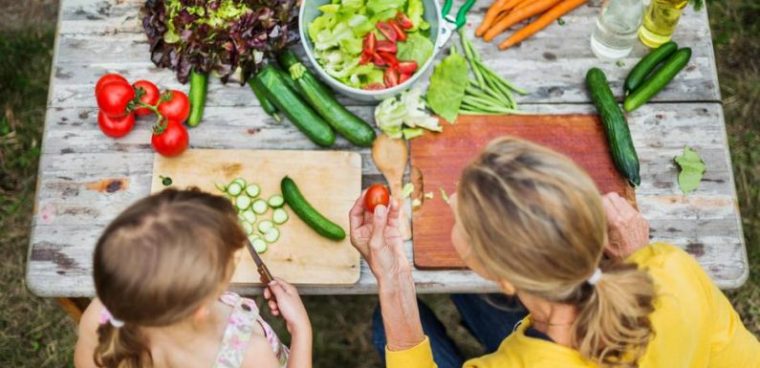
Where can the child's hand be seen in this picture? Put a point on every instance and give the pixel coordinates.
(287, 303)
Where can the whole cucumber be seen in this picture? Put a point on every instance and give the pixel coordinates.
(198, 88)
(661, 77)
(647, 64)
(299, 113)
(266, 105)
(619, 136)
(298, 203)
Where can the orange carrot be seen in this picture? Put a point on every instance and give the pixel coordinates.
(518, 15)
(544, 20)
(490, 16)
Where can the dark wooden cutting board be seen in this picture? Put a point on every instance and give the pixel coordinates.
(441, 157)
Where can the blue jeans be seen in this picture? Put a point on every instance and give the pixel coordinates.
(490, 318)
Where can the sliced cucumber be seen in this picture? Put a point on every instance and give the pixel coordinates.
(221, 187)
(234, 189)
(253, 190)
(272, 235)
(265, 226)
(241, 218)
(279, 216)
(242, 202)
(276, 201)
(259, 245)
(247, 227)
(260, 206)
(249, 216)
(240, 181)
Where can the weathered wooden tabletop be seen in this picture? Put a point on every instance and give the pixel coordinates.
(86, 179)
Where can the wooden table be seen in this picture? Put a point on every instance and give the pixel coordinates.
(86, 179)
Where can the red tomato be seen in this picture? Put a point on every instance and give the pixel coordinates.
(391, 77)
(369, 43)
(389, 58)
(400, 34)
(387, 31)
(407, 67)
(174, 105)
(114, 98)
(386, 46)
(403, 78)
(172, 140)
(404, 21)
(148, 94)
(116, 127)
(107, 78)
(376, 194)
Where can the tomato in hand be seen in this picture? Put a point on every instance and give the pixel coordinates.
(108, 78)
(114, 98)
(148, 94)
(377, 194)
(116, 126)
(174, 105)
(171, 139)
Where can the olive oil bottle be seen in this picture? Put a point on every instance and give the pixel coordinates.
(660, 21)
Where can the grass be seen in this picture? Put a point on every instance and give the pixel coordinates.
(35, 333)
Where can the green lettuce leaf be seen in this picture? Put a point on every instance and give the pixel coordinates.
(692, 169)
(415, 11)
(416, 47)
(379, 6)
(447, 85)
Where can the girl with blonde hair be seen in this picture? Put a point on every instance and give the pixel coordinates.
(161, 271)
(533, 222)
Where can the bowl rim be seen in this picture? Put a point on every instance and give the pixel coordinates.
(369, 93)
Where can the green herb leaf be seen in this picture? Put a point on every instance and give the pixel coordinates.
(447, 86)
(692, 169)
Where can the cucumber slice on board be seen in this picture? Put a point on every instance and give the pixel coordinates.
(279, 216)
(234, 189)
(240, 181)
(276, 201)
(259, 245)
(253, 190)
(247, 227)
(222, 188)
(249, 216)
(242, 202)
(260, 206)
(272, 235)
(265, 226)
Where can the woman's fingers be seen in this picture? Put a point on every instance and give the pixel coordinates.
(394, 214)
(379, 220)
(356, 215)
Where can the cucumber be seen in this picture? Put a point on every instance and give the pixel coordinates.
(307, 213)
(615, 125)
(658, 80)
(242, 202)
(265, 226)
(253, 190)
(240, 181)
(276, 201)
(266, 105)
(288, 58)
(259, 245)
(248, 215)
(299, 113)
(222, 188)
(647, 64)
(356, 130)
(279, 216)
(248, 228)
(234, 189)
(198, 88)
(272, 235)
(288, 80)
(260, 207)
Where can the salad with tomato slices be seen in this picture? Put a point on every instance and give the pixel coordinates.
(371, 44)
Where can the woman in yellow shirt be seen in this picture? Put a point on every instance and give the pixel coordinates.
(530, 220)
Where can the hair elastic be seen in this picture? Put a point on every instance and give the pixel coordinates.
(106, 316)
(595, 277)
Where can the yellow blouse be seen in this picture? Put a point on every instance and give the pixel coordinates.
(694, 324)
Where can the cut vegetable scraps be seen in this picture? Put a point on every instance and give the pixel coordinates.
(406, 116)
(407, 190)
(692, 169)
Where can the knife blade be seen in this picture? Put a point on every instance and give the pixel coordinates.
(264, 275)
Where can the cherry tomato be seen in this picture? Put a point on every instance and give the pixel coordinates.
(404, 21)
(107, 78)
(172, 140)
(387, 31)
(400, 34)
(174, 105)
(116, 127)
(391, 77)
(376, 194)
(407, 67)
(369, 43)
(114, 98)
(403, 78)
(148, 94)
(386, 46)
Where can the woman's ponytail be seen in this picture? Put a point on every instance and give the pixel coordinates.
(613, 327)
(123, 347)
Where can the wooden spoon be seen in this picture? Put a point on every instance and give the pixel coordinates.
(390, 156)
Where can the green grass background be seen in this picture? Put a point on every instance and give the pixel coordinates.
(34, 332)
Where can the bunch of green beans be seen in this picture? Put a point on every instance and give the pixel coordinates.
(489, 93)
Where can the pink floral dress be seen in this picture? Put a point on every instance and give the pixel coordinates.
(240, 327)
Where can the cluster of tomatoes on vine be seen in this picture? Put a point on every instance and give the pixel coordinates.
(120, 102)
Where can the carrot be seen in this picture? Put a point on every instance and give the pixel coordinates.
(490, 16)
(544, 20)
(518, 15)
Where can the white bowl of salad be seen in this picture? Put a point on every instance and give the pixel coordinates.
(370, 50)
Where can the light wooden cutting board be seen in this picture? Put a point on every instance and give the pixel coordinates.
(330, 180)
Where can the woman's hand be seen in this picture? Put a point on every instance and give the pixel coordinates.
(283, 300)
(628, 230)
(378, 238)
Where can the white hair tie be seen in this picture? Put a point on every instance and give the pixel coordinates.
(106, 316)
(595, 277)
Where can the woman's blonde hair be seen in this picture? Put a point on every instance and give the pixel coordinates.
(157, 263)
(536, 219)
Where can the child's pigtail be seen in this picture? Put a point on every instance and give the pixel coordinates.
(122, 347)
